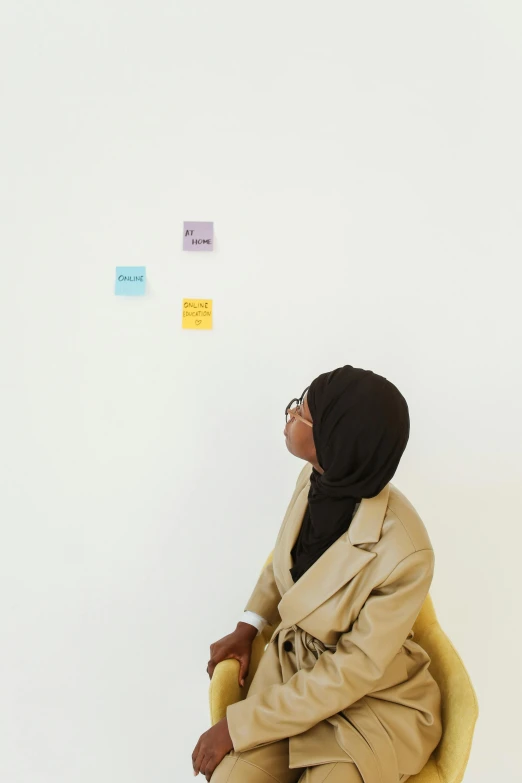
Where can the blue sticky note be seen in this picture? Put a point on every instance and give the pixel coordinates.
(130, 281)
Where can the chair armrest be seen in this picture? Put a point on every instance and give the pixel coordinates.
(224, 689)
(224, 686)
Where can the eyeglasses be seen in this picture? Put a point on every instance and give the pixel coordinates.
(292, 412)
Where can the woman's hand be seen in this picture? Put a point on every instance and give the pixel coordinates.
(215, 743)
(238, 645)
(212, 747)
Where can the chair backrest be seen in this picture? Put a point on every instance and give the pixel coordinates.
(459, 700)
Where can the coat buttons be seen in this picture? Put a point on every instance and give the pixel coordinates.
(287, 646)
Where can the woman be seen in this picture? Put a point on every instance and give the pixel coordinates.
(342, 691)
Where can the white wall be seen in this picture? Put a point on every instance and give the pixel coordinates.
(362, 164)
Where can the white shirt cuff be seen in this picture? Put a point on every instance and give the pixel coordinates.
(254, 619)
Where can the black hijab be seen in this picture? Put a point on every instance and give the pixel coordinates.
(361, 426)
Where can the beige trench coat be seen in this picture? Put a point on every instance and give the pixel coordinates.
(342, 652)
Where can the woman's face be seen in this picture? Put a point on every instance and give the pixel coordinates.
(299, 438)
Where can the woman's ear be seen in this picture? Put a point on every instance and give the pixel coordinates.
(306, 408)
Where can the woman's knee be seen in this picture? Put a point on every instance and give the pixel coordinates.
(334, 772)
(264, 764)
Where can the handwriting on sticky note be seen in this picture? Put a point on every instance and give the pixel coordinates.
(130, 281)
(198, 235)
(197, 314)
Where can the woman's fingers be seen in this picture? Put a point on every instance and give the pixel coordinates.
(198, 759)
(243, 669)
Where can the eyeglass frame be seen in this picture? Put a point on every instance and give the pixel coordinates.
(291, 412)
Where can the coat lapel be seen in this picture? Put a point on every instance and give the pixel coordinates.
(336, 566)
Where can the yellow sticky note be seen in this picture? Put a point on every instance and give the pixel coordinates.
(197, 314)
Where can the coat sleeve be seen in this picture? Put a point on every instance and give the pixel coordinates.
(342, 676)
(265, 597)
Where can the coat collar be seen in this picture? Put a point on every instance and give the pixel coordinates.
(336, 566)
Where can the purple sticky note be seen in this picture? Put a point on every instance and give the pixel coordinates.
(198, 235)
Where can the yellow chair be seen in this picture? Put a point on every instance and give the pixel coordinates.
(448, 761)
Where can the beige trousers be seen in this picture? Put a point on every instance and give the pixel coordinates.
(269, 764)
